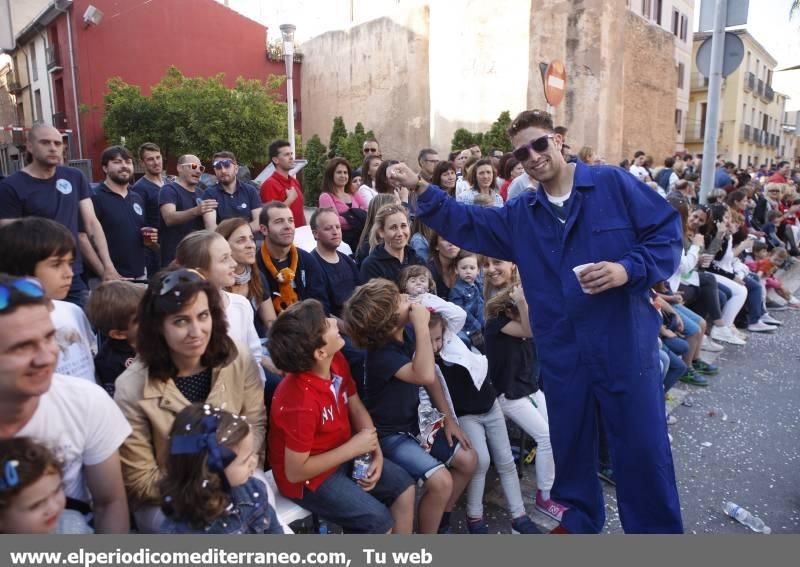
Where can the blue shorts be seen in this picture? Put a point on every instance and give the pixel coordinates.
(691, 320)
(405, 450)
(343, 502)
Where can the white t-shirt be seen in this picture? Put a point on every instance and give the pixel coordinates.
(76, 341)
(241, 327)
(639, 172)
(366, 193)
(81, 424)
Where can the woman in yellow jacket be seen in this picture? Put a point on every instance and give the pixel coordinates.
(184, 356)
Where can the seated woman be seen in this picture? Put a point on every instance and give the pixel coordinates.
(248, 284)
(442, 264)
(482, 181)
(185, 357)
(393, 253)
(335, 194)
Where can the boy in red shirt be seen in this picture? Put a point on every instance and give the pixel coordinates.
(311, 444)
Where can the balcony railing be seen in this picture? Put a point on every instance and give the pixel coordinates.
(60, 120)
(769, 93)
(757, 135)
(53, 58)
(760, 87)
(14, 86)
(749, 81)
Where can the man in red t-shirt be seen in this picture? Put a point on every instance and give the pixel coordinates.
(311, 445)
(781, 173)
(279, 186)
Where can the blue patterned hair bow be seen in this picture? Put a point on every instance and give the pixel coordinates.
(10, 477)
(219, 456)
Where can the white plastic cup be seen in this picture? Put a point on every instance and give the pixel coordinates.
(578, 270)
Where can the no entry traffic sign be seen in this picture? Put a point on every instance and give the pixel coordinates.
(554, 77)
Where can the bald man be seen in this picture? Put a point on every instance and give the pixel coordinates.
(45, 188)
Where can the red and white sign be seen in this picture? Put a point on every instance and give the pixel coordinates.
(555, 83)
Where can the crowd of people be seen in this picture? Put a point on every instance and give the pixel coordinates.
(168, 347)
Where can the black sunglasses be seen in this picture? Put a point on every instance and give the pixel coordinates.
(539, 145)
(25, 286)
(220, 163)
(174, 279)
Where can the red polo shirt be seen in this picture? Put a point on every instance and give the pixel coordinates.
(275, 188)
(307, 416)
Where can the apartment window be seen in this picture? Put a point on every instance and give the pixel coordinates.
(740, 161)
(37, 98)
(749, 63)
(676, 18)
(744, 113)
(34, 64)
(684, 27)
(678, 120)
(646, 8)
(657, 9)
(681, 73)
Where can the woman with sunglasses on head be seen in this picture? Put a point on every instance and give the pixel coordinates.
(185, 356)
(184, 207)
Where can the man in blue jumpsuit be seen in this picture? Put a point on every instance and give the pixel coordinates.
(598, 349)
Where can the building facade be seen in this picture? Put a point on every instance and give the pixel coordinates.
(676, 17)
(68, 61)
(790, 140)
(751, 112)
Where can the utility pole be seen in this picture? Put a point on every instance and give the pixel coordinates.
(713, 104)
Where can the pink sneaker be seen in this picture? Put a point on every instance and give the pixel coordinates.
(549, 508)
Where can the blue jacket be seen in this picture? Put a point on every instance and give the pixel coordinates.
(614, 217)
(250, 513)
(470, 299)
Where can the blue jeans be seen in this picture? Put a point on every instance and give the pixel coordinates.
(691, 320)
(677, 368)
(341, 501)
(405, 450)
(755, 299)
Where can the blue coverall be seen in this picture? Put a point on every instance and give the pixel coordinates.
(595, 350)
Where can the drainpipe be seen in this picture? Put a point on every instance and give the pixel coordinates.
(74, 68)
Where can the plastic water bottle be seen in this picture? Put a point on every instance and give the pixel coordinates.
(744, 517)
(323, 528)
(361, 466)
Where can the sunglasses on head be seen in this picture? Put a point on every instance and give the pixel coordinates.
(539, 145)
(25, 286)
(220, 163)
(176, 278)
(194, 166)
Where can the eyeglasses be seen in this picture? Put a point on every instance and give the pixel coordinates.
(220, 163)
(538, 145)
(25, 286)
(194, 166)
(174, 279)
(370, 150)
(431, 160)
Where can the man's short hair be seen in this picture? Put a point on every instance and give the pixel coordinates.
(112, 305)
(185, 158)
(28, 241)
(148, 147)
(115, 152)
(560, 130)
(780, 164)
(296, 334)
(773, 215)
(32, 133)
(681, 185)
(318, 212)
(18, 298)
(638, 153)
(688, 157)
(424, 152)
(729, 165)
(224, 154)
(669, 162)
(530, 119)
(263, 217)
(276, 146)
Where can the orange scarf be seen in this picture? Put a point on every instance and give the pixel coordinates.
(286, 293)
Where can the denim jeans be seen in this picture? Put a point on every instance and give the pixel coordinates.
(404, 450)
(488, 433)
(677, 368)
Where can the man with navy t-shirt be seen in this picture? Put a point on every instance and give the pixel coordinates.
(184, 207)
(122, 214)
(234, 198)
(148, 188)
(44, 188)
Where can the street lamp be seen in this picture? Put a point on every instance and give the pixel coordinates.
(287, 31)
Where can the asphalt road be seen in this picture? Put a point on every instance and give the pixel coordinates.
(739, 441)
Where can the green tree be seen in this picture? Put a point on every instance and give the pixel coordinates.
(462, 139)
(350, 147)
(338, 133)
(197, 115)
(497, 137)
(317, 154)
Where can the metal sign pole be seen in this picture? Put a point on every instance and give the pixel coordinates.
(714, 94)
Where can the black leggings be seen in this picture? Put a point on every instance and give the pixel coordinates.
(703, 299)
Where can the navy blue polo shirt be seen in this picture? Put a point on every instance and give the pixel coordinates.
(170, 236)
(240, 203)
(123, 219)
(391, 402)
(149, 191)
(57, 198)
(341, 279)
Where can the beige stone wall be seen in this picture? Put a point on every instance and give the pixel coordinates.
(649, 95)
(376, 73)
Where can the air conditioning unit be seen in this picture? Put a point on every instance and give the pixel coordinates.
(92, 16)
(63, 5)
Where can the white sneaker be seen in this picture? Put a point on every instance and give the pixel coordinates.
(672, 420)
(741, 334)
(710, 346)
(669, 436)
(794, 301)
(725, 335)
(769, 320)
(760, 328)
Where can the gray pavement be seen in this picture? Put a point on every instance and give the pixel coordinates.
(739, 440)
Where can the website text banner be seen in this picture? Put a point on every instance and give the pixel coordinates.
(396, 551)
